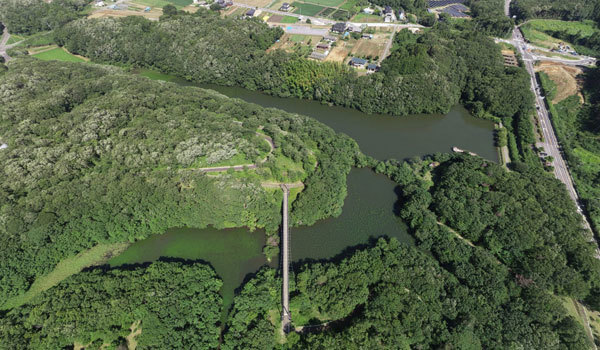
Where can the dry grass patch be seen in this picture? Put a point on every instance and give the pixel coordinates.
(136, 329)
(566, 78)
(373, 47)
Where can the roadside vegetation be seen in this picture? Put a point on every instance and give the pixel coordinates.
(577, 128)
(584, 36)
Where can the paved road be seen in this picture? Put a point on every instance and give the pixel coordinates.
(3, 46)
(550, 143)
(579, 60)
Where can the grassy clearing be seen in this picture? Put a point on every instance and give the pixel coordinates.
(348, 5)
(298, 38)
(306, 9)
(367, 18)
(67, 267)
(57, 54)
(289, 19)
(15, 39)
(584, 29)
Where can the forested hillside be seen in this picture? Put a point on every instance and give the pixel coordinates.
(391, 296)
(574, 10)
(32, 16)
(204, 47)
(164, 305)
(96, 155)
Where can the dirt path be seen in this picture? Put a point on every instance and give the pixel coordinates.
(273, 184)
(3, 46)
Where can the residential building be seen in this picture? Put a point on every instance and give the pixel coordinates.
(330, 38)
(285, 7)
(339, 27)
(357, 62)
(250, 13)
(372, 68)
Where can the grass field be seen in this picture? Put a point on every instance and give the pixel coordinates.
(326, 3)
(57, 54)
(349, 4)
(289, 19)
(367, 18)
(67, 267)
(306, 9)
(341, 15)
(585, 28)
(14, 39)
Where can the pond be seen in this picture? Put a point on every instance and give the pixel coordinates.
(368, 210)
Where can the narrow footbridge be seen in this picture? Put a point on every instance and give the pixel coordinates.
(286, 317)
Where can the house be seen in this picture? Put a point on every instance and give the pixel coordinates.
(330, 38)
(224, 3)
(250, 13)
(339, 28)
(285, 7)
(372, 68)
(323, 46)
(368, 10)
(367, 36)
(357, 62)
(387, 10)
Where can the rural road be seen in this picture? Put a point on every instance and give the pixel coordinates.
(388, 46)
(575, 61)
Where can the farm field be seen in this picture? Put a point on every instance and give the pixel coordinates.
(348, 5)
(289, 42)
(307, 9)
(341, 15)
(326, 3)
(57, 54)
(160, 3)
(369, 47)
(367, 18)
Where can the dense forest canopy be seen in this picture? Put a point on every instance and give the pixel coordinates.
(164, 305)
(451, 65)
(32, 16)
(96, 155)
(574, 10)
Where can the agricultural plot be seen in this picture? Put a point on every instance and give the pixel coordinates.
(161, 3)
(307, 9)
(289, 19)
(326, 3)
(586, 28)
(328, 11)
(57, 54)
(341, 15)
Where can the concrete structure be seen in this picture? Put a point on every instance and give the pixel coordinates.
(286, 317)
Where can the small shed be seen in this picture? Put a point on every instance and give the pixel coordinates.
(330, 38)
(250, 13)
(372, 68)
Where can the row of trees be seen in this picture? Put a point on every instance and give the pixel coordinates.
(96, 155)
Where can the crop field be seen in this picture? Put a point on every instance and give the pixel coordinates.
(326, 3)
(341, 15)
(161, 3)
(328, 11)
(306, 9)
(57, 54)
